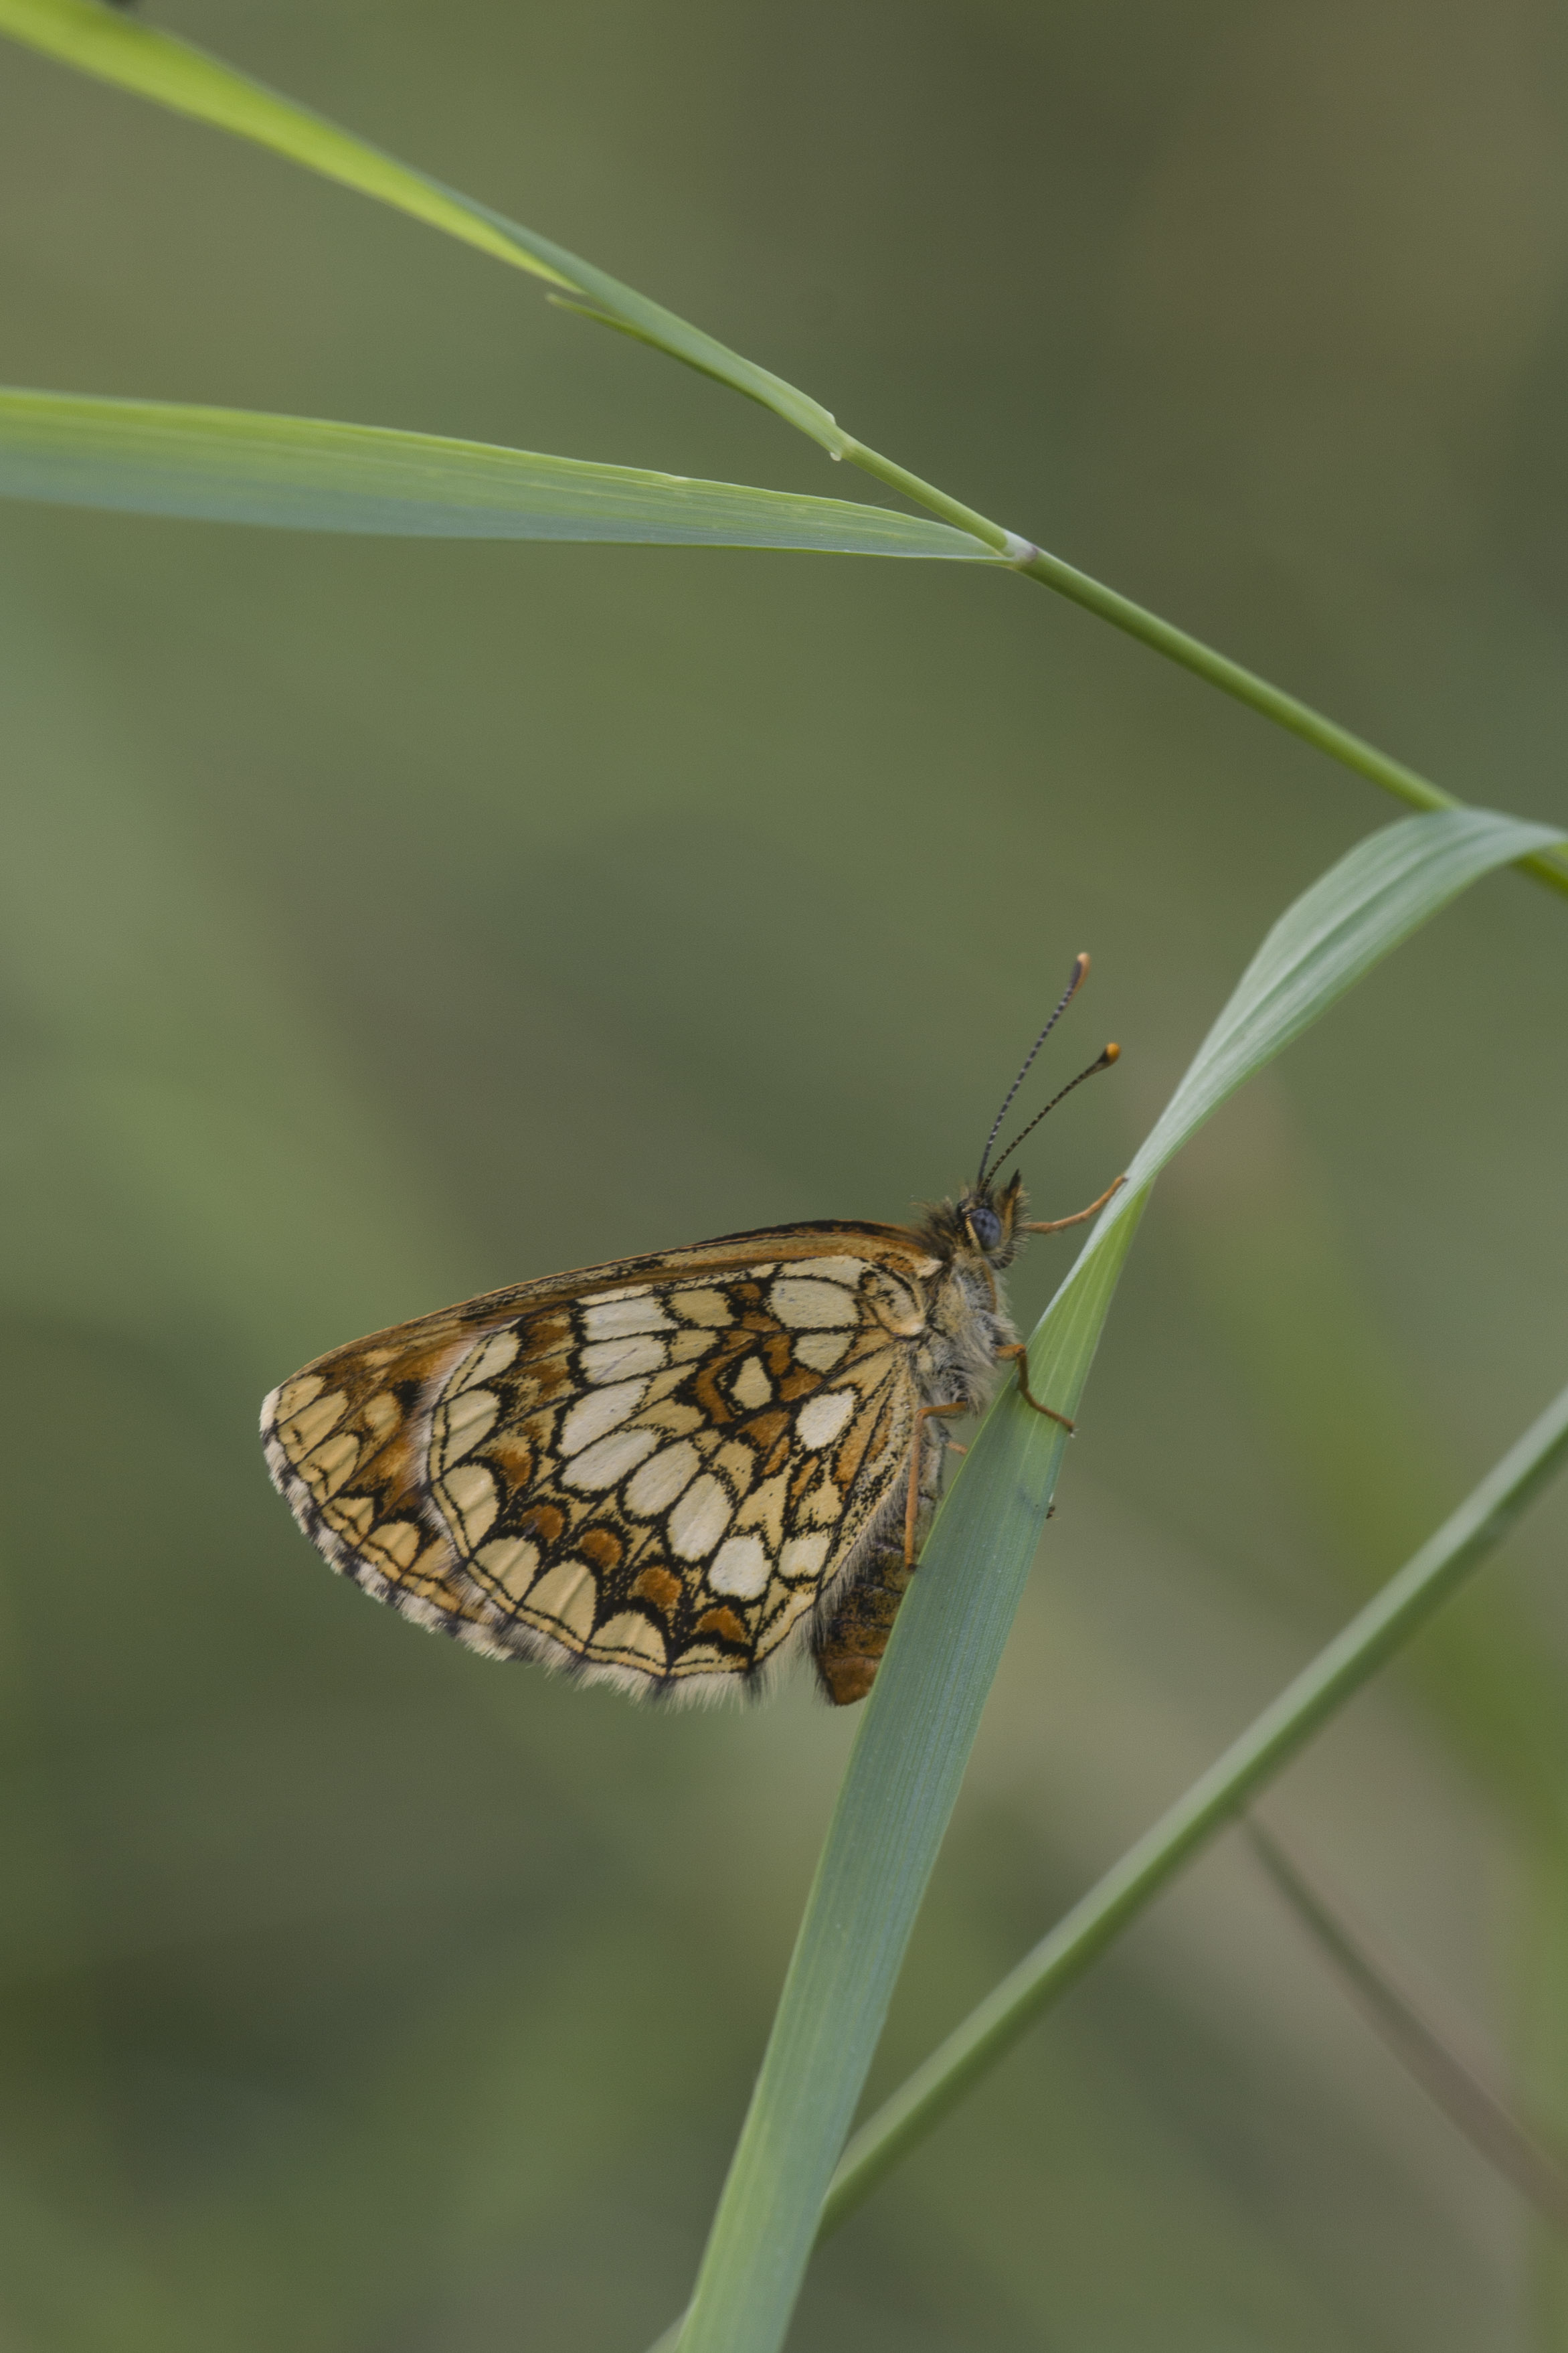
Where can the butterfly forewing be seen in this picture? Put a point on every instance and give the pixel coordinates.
(649, 1472)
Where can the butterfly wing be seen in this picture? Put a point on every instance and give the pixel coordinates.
(647, 1472)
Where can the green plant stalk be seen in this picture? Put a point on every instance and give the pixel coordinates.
(1373, 1637)
(897, 1793)
(1191, 653)
(918, 1724)
(1125, 1892)
(161, 68)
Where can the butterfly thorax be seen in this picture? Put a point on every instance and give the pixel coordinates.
(975, 1238)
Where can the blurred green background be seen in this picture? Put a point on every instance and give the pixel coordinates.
(381, 924)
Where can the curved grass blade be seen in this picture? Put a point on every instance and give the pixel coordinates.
(1468, 1536)
(236, 465)
(171, 72)
(921, 1720)
(175, 73)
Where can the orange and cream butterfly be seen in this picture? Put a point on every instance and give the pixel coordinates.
(670, 1472)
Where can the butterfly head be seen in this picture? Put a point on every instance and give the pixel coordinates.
(986, 1221)
(990, 1221)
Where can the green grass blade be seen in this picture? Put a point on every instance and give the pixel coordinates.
(899, 1791)
(1467, 1537)
(1388, 888)
(119, 48)
(233, 464)
(921, 1717)
(1373, 1637)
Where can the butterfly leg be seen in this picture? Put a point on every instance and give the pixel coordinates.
(1020, 1356)
(1060, 1225)
(912, 1507)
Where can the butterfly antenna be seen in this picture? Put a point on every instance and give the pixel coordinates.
(1079, 975)
(1111, 1054)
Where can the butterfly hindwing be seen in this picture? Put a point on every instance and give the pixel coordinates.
(649, 1472)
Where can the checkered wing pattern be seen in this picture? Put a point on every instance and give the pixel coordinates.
(646, 1474)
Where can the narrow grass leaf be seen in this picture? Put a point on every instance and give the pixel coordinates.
(155, 65)
(117, 48)
(234, 465)
(1468, 1536)
(921, 1720)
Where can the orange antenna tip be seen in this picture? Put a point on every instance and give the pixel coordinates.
(1111, 1054)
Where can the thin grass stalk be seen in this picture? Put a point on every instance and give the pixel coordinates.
(160, 67)
(1179, 646)
(1315, 1696)
(1472, 2104)
(1311, 1700)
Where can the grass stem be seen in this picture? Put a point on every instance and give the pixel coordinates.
(159, 66)
(1127, 1889)
(1454, 2084)
(1191, 653)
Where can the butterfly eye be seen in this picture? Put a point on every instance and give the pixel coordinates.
(985, 1225)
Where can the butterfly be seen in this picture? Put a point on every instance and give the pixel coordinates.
(670, 1472)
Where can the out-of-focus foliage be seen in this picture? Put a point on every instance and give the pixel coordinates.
(383, 923)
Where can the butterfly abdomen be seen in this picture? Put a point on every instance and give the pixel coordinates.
(848, 1649)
